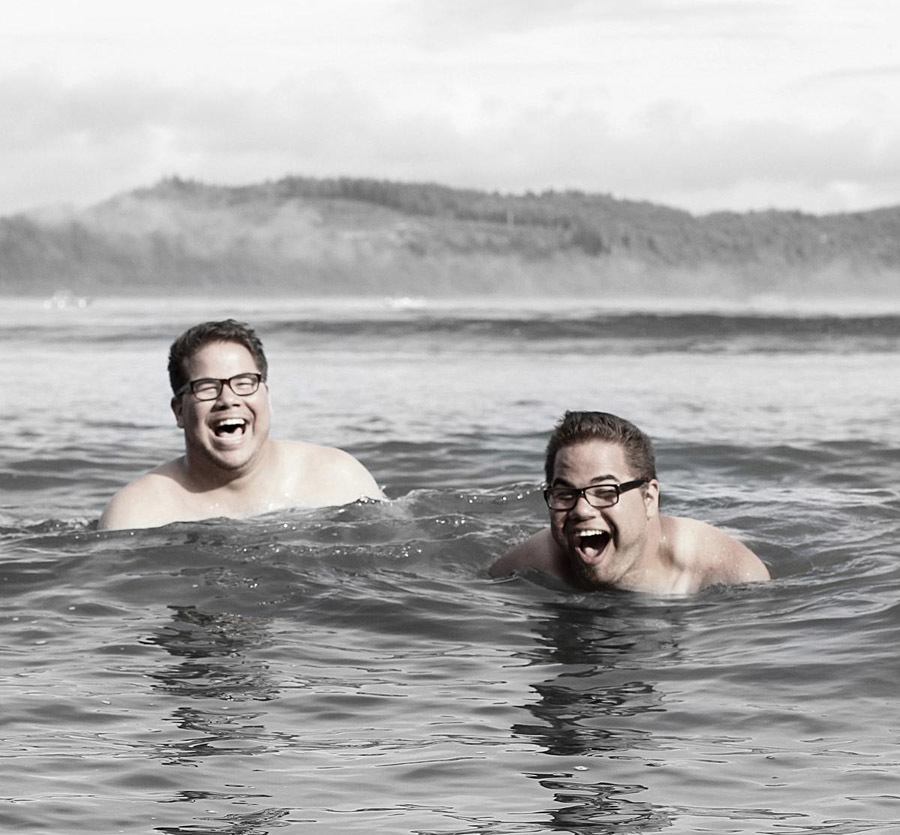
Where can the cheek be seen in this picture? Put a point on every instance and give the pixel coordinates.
(187, 417)
(557, 524)
(635, 525)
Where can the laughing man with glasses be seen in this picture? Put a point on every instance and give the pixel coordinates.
(231, 467)
(606, 531)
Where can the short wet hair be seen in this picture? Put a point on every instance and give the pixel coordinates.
(578, 427)
(195, 338)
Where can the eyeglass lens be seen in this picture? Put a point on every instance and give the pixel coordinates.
(240, 384)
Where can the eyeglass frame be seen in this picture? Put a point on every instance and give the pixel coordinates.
(582, 493)
(221, 382)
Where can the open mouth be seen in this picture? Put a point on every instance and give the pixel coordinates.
(592, 543)
(230, 427)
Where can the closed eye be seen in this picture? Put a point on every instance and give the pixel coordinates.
(601, 492)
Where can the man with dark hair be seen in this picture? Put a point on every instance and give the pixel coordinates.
(230, 467)
(606, 530)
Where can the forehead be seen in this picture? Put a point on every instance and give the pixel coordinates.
(591, 460)
(220, 359)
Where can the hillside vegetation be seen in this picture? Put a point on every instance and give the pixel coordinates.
(302, 236)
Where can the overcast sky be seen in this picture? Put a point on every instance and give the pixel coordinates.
(700, 104)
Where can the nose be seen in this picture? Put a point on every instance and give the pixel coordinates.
(582, 507)
(226, 397)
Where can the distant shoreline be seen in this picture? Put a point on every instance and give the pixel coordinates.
(300, 237)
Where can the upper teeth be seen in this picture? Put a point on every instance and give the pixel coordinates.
(591, 532)
(231, 422)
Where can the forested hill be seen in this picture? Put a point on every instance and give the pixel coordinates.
(312, 237)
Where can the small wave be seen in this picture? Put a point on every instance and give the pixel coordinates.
(644, 331)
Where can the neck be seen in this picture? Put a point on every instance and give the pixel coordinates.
(651, 570)
(202, 475)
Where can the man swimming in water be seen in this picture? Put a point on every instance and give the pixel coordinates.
(606, 530)
(230, 466)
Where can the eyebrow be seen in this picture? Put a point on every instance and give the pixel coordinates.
(595, 481)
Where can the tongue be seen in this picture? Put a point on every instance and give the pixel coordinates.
(592, 546)
(229, 429)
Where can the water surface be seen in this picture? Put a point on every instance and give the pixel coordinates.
(355, 670)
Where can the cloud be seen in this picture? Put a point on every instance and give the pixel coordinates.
(850, 74)
(602, 121)
(449, 23)
(677, 154)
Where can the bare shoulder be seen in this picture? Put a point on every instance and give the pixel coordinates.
(335, 475)
(149, 501)
(710, 553)
(537, 553)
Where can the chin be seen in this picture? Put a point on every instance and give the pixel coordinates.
(230, 461)
(584, 577)
(591, 577)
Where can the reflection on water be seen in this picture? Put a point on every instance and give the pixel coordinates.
(218, 669)
(260, 822)
(200, 636)
(582, 710)
(220, 733)
(595, 707)
(601, 808)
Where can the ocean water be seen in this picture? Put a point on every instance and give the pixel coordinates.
(355, 670)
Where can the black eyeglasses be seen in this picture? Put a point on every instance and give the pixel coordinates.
(599, 495)
(210, 389)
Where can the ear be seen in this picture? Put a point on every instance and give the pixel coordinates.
(175, 403)
(651, 498)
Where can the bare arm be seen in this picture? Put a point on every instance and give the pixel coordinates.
(297, 475)
(714, 557)
(700, 554)
(537, 553)
(138, 505)
(741, 566)
(344, 479)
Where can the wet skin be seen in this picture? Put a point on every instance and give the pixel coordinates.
(229, 433)
(614, 545)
